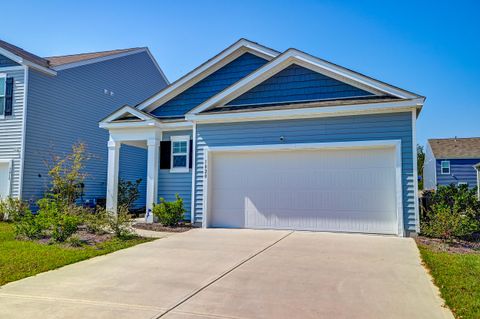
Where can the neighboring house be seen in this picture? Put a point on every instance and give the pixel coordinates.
(452, 161)
(258, 138)
(48, 104)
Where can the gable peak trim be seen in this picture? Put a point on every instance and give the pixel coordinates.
(210, 66)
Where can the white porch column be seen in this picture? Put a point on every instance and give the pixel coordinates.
(152, 176)
(112, 177)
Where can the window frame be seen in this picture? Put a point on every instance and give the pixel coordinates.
(441, 167)
(3, 76)
(173, 140)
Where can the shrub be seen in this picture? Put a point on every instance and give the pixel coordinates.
(96, 221)
(451, 212)
(169, 213)
(61, 220)
(128, 192)
(119, 224)
(448, 223)
(12, 208)
(67, 174)
(29, 226)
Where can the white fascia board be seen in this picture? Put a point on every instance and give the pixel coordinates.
(96, 60)
(206, 69)
(310, 112)
(290, 57)
(24, 62)
(126, 109)
(147, 124)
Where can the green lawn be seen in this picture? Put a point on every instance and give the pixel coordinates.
(458, 277)
(20, 259)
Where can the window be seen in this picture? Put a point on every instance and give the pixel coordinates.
(3, 89)
(462, 183)
(180, 154)
(445, 166)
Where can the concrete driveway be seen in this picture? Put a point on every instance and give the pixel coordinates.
(219, 273)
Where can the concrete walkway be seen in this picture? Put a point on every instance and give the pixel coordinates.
(219, 273)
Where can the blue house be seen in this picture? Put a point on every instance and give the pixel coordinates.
(452, 161)
(48, 104)
(257, 138)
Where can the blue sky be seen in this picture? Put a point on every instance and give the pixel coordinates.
(430, 48)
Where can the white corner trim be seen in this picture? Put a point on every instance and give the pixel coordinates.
(96, 60)
(24, 132)
(24, 62)
(290, 57)
(397, 144)
(415, 171)
(194, 171)
(206, 69)
(307, 112)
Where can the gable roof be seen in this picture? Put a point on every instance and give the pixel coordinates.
(55, 63)
(205, 69)
(67, 59)
(294, 56)
(455, 148)
(24, 54)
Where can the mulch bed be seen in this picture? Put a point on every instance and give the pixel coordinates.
(454, 246)
(160, 228)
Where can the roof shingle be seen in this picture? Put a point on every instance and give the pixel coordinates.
(446, 148)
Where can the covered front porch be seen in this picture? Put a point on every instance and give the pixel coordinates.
(132, 127)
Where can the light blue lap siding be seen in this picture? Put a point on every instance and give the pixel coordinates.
(461, 171)
(211, 85)
(66, 108)
(6, 62)
(297, 83)
(170, 184)
(332, 129)
(133, 165)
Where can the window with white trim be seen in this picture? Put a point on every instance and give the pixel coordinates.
(462, 183)
(180, 154)
(445, 167)
(3, 90)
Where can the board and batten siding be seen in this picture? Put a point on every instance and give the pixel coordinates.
(66, 108)
(11, 130)
(316, 130)
(461, 171)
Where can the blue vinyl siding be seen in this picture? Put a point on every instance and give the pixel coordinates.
(66, 108)
(133, 165)
(170, 184)
(331, 129)
(297, 83)
(461, 171)
(6, 62)
(211, 85)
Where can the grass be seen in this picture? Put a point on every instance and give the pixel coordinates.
(20, 259)
(458, 277)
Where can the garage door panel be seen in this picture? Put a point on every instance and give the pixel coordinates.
(331, 190)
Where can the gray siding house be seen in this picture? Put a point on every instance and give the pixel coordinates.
(256, 138)
(452, 161)
(48, 104)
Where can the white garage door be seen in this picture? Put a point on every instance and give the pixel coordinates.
(4, 179)
(351, 190)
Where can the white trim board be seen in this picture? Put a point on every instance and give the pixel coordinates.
(24, 62)
(10, 174)
(24, 133)
(293, 56)
(308, 112)
(207, 68)
(209, 151)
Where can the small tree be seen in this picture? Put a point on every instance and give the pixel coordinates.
(67, 174)
(128, 192)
